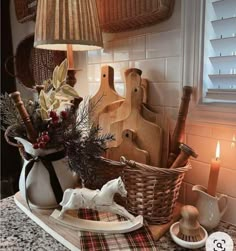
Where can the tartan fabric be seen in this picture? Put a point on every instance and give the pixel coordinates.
(139, 240)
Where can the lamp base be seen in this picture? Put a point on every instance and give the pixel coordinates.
(71, 79)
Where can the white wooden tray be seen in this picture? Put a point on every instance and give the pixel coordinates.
(71, 238)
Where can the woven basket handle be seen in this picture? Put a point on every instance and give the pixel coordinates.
(6, 66)
(6, 136)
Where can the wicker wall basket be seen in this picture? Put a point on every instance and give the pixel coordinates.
(33, 65)
(122, 15)
(152, 191)
(25, 10)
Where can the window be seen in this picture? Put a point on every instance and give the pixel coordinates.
(205, 107)
(219, 61)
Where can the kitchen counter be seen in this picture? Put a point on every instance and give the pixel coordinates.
(19, 233)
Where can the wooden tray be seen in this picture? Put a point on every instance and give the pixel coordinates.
(70, 238)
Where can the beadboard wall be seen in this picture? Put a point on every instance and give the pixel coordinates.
(158, 51)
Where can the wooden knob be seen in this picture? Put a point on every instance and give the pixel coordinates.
(189, 224)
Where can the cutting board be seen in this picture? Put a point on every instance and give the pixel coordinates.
(162, 120)
(149, 135)
(123, 107)
(129, 149)
(106, 93)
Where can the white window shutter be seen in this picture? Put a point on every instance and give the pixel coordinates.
(219, 70)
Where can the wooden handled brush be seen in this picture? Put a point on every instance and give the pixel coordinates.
(189, 227)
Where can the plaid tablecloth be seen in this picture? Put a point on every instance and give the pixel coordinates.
(139, 240)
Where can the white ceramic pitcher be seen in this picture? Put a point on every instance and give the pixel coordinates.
(37, 183)
(208, 207)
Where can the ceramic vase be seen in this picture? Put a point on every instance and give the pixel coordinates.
(36, 184)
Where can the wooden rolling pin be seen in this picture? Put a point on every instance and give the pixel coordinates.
(178, 133)
(31, 132)
(184, 155)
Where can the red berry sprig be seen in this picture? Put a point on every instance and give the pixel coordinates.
(42, 141)
(54, 117)
(64, 114)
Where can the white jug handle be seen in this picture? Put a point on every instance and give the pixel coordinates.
(225, 197)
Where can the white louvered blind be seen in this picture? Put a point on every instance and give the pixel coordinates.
(219, 70)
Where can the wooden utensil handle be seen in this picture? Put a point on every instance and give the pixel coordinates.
(178, 133)
(31, 132)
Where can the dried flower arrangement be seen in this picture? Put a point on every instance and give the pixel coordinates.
(56, 123)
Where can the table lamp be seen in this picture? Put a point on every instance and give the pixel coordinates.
(69, 25)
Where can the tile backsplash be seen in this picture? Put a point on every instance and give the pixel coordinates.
(157, 51)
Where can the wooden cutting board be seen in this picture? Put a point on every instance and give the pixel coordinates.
(128, 148)
(106, 93)
(162, 120)
(123, 107)
(149, 135)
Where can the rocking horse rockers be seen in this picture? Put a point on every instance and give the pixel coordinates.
(100, 200)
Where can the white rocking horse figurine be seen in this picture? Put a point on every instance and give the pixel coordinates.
(100, 200)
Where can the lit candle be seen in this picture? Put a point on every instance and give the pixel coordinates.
(214, 172)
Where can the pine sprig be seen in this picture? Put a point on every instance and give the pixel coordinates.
(9, 114)
(84, 143)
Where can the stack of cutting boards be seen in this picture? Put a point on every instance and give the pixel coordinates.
(140, 134)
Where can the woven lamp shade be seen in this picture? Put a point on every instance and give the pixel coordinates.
(63, 22)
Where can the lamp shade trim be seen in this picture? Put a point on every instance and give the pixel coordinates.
(60, 45)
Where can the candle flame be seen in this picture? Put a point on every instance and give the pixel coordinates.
(233, 141)
(218, 150)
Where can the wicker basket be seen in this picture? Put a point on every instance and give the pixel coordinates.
(25, 10)
(33, 65)
(152, 191)
(122, 15)
(107, 170)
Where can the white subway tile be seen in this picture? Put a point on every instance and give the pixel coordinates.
(137, 48)
(121, 50)
(205, 147)
(226, 133)
(165, 94)
(119, 69)
(93, 88)
(94, 56)
(94, 72)
(230, 215)
(227, 182)
(163, 44)
(107, 53)
(198, 130)
(227, 155)
(120, 88)
(173, 69)
(153, 70)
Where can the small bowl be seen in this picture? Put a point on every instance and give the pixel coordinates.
(174, 230)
